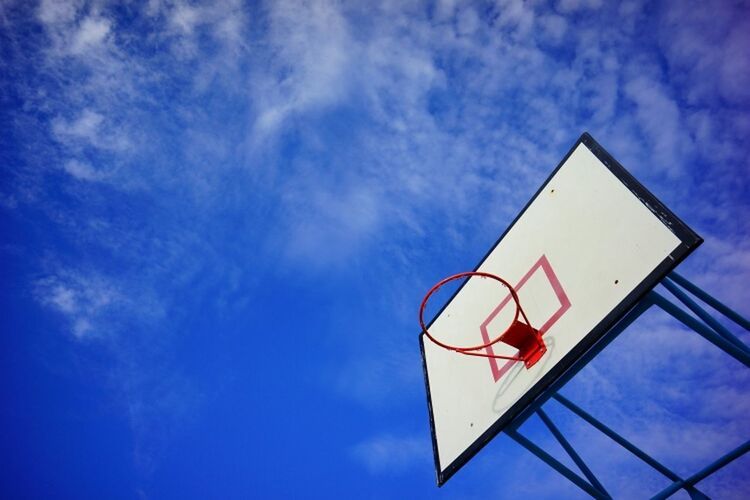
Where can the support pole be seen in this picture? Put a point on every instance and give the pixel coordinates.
(702, 314)
(617, 438)
(701, 329)
(572, 452)
(721, 308)
(555, 464)
(703, 473)
(702, 323)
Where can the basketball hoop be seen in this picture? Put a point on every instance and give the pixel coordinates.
(520, 335)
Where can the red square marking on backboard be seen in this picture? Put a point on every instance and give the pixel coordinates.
(543, 264)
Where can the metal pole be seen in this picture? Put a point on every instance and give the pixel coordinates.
(703, 330)
(555, 464)
(702, 314)
(572, 453)
(711, 330)
(710, 469)
(723, 309)
(616, 437)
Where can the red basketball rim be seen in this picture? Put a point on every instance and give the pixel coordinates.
(462, 350)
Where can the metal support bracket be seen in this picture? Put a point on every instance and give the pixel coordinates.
(702, 323)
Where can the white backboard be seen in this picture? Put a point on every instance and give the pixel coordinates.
(586, 248)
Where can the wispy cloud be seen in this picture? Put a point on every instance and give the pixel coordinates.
(659, 119)
(82, 171)
(91, 35)
(568, 6)
(311, 53)
(388, 454)
(89, 129)
(94, 305)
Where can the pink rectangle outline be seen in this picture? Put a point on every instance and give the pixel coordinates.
(498, 372)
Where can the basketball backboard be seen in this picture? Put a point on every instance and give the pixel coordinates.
(590, 244)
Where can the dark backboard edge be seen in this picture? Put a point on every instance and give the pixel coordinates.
(571, 363)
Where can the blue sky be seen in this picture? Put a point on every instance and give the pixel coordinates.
(218, 220)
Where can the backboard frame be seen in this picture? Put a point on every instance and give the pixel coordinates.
(574, 360)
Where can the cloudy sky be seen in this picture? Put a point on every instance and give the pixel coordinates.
(218, 219)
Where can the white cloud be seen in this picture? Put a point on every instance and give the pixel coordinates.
(62, 298)
(224, 21)
(388, 454)
(629, 9)
(82, 327)
(554, 26)
(659, 119)
(377, 381)
(76, 29)
(86, 126)
(444, 9)
(567, 6)
(704, 52)
(312, 51)
(467, 22)
(96, 306)
(83, 299)
(91, 35)
(90, 129)
(327, 224)
(58, 11)
(516, 15)
(82, 171)
(734, 72)
(184, 18)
